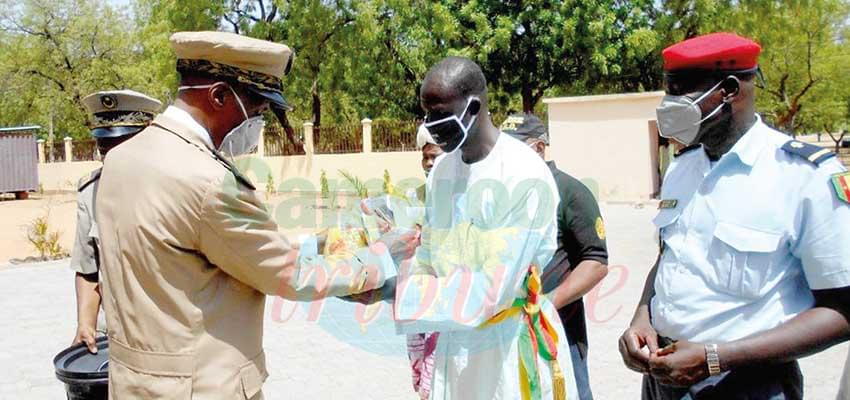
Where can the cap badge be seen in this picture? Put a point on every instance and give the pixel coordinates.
(109, 101)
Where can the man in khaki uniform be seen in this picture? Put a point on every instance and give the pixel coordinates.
(115, 117)
(189, 250)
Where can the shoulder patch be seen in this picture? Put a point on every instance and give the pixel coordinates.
(687, 149)
(85, 182)
(600, 228)
(841, 184)
(814, 154)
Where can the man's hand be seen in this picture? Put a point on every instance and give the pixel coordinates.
(368, 279)
(681, 364)
(401, 244)
(637, 344)
(386, 292)
(86, 334)
(384, 225)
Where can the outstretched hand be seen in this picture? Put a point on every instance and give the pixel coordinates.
(401, 243)
(384, 293)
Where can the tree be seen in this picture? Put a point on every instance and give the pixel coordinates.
(353, 58)
(529, 47)
(56, 53)
(155, 21)
(801, 55)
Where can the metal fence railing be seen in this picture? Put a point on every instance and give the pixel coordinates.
(336, 139)
(394, 135)
(84, 150)
(54, 151)
(277, 144)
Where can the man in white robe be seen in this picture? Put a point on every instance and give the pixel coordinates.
(490, 221)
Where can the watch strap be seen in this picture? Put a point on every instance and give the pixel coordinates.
(712, 358)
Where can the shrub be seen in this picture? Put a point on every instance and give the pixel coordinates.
(323, 183)
(270, 186)
(388, 184)
(358, 185)
(45, 241)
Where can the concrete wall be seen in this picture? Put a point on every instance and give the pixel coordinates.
(606, 139)
(287, 173)
(302, 171)
(602, 140)
(64, 176)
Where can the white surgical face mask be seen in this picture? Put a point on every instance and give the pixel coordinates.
(679, 117)
(243, 138)
(450, 133)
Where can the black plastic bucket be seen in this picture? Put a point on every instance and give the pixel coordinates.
(85, 375)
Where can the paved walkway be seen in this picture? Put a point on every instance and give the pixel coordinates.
(335, 356)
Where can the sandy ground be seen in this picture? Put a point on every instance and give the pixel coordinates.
(326, 350)
(17, 215)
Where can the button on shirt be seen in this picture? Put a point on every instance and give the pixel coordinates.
(748, 239)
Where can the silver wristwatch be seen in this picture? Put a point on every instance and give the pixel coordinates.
(712, 359)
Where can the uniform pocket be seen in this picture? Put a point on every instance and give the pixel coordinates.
(742, 258)
(128, 383)
(252, 375)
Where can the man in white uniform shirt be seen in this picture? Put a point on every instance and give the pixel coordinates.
(754, 264)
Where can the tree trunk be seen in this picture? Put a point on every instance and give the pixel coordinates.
(837, 141)
(317, 111)
(527, 99)
(287, 128)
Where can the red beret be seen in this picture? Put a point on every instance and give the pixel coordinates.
(715, 51)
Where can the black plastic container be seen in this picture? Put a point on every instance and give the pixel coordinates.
(85, 375)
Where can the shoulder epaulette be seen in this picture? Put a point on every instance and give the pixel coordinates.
(687, 149)
(84, 183)
(814, 154)
(216, 156)
(235, 171)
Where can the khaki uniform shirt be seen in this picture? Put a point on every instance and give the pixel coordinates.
(84, 255)
(188, 254)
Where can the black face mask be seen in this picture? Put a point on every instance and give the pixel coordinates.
(449, 132)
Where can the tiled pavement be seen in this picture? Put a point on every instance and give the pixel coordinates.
(335, 357)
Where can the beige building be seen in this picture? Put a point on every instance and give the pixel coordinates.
(609, 142)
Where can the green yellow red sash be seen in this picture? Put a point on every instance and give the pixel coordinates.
(540, 338)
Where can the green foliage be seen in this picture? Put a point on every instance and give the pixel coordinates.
(57, 52)
(367, 58)
(43, 239)
(804, 59)
(323, 184)
(527, 48)
(357, 185)
(389, 188)
(270, 185)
